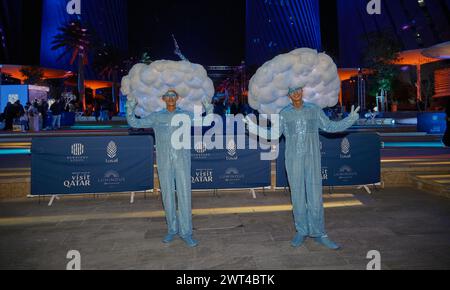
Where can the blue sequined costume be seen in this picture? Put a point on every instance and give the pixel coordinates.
(303, 162)
(174, 169)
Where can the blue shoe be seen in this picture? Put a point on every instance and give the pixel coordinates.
(169, 238)
(190, 242)
(298, 240)
(325, 241)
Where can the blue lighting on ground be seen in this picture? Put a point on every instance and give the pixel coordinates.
(91, 127)
(15, 152)
(97, 127)
(414, 145)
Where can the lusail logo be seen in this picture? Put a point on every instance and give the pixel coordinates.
(74, 7)
(345, 149)
(232, 150)
(112, 152)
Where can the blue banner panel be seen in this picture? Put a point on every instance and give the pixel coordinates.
(12, 93)
(229, 168)
(82, 165)
(347, 159)
(432, 123)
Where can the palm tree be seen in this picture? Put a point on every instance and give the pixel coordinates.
(381, 54)
(109, 63)
(75, 39)
(33, 75)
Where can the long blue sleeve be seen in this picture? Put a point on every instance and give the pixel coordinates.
(268, 134)
(209, 109)
(147, 122)
(334, 127)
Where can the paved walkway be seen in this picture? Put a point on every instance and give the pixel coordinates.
(410, 228)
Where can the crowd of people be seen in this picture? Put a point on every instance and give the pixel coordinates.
(222, 107)
(103, 110)
(34, 116)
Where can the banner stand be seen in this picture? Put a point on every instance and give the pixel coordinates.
(331, 188)
(52, 199)
(55, 197)
(253, 192)
(366, 188)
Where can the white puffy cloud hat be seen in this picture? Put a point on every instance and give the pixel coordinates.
(303, 68)
(148, 83)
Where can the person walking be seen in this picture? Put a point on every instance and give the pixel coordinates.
(56, 109)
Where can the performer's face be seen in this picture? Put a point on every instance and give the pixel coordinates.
(171, 101)
(296, 96)
(171, 98)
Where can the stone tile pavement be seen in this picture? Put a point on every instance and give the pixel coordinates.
(410, 228)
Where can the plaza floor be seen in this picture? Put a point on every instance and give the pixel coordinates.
(410, 229)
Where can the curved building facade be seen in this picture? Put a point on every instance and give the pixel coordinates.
(107, 19)
(279, 26)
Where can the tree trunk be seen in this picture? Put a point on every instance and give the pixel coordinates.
(81, 87)
(115, 95)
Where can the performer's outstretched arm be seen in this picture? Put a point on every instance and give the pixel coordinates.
(209, 108)
(268, 134)
(147, 122)
(334, 127)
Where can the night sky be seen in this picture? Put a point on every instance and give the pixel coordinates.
(209, 32)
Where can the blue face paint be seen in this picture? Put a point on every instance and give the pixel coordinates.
(294, 90)
(170, 95)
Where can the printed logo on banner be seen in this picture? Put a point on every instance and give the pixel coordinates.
(324, 173)
(111, 177)
(200, 151)
(200, 147)
(232, 150)
(111, 152)
(12, 98)
(346, 173)
(345, 149)
(78, 180)
(322, 149)
(232, 175)
(203, 176)
(77, 149)
(77, 152)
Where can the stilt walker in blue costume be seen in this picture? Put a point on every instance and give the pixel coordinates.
(297, 86)
(158, 93)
